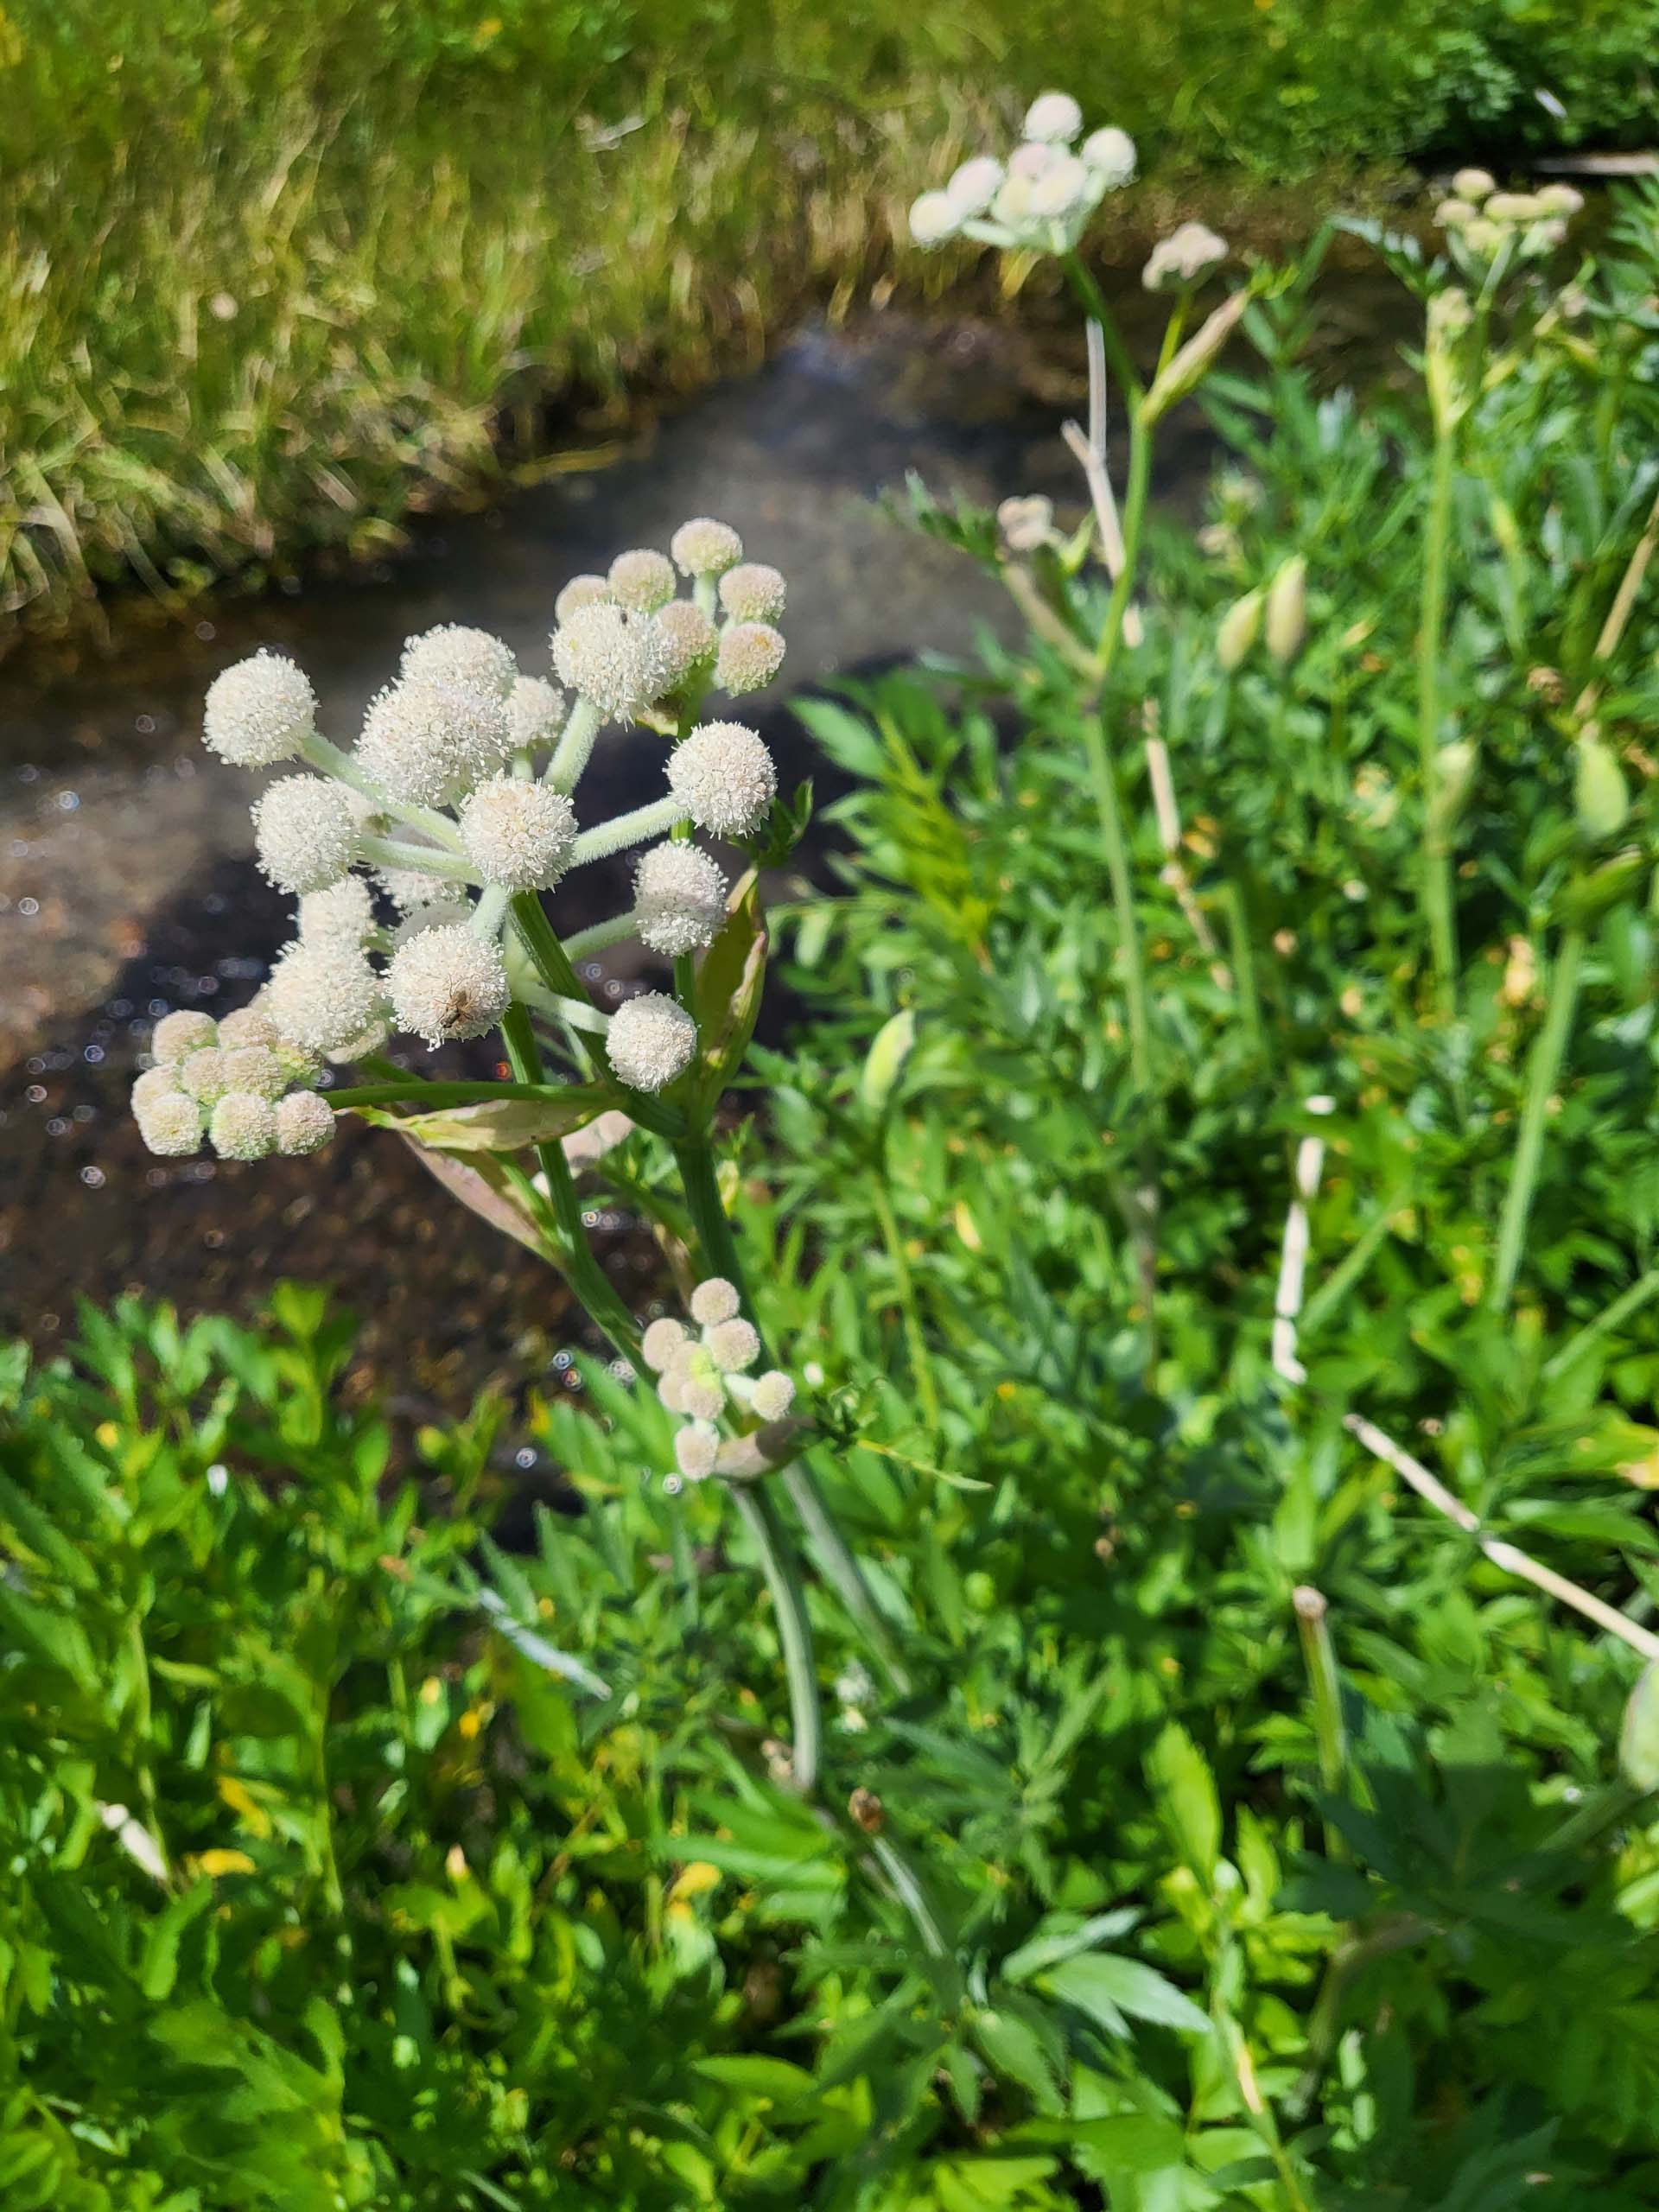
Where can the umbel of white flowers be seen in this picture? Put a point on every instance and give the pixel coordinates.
(1042, 196)
(405, 852)
(1480, 222)
(705, 1376)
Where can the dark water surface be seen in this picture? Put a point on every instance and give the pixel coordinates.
(127, 887)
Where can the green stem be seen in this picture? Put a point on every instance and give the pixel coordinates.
(1437, 859)
(576, 1262)
(1241, 957)
(1627, 1302)
(921, 1366)
(1093, 302)
(415, 1090)
(1542, 1074)
(1136, 495)
(760, 1517)
(1318, 1655)
(1103, 774)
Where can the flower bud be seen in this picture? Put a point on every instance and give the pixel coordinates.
(305, 1122)
(1110, 153)
(1238, 630)
(1195, 359)
(320, 996)
(171, 1125)
(751, 654)
(660, 1343)
(202, 1075)
(649, 1040)
(243, 1126)
(1189, 253)
(186, 1030)
(1054, 117)
(734, 1345)
(974, 186)
(255, 1068)
(687, 638)
(754, 592)
(714, 1301)
(612, 658)
(774, 1394)
(343, 914)
(1474, 184)
(580, 592)
(679, 899)
(428, 742)
(642, 580)
(703, 547)
(1454, 779)
(1286, 615)
(519, 834)
(1599, 798)
(933, 219)
(696, 1450)
(535, 712)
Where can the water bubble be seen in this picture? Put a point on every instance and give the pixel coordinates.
(145, 724)
(36, 1094)
(525, 1456)
(84, 1114)
(57, 1127)
(93, 1055)
(206, 632)
(93, 1177)
(119, 1008)
(28, 906)
(28, 773)
(68, 801)
(561, 1361)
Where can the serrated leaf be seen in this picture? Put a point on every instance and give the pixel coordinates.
(1107, 1987)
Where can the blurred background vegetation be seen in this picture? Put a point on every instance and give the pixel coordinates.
(271, 273)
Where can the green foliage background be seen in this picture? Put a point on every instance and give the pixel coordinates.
(269, 273)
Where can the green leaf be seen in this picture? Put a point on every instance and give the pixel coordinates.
(1061, 1936)
(497, 1124)
(1185, 1790)
(1107, 1987)
(1639, 1739)
(884, 1062)
(769, 2081)
(726, 1001)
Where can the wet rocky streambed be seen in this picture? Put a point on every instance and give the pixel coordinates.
(127, 886)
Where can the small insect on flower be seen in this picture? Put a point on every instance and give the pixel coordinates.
(714, 1301)
(649, 1040)
(171, 1125)
(754, 592)
(974, 186)
(703, 547)
(468, 660)
(243, 1126)
(613, 659)
(642, 580)
(1187, 255)
(259, 711)
(1054, 117)
(321, 996)
(933, 218)
(305, 833)
(428, 742)
(519, 834)
(186, 1030)
(679, 898)
(305, 1121)
(535, 712)
(751, 654)
(448, 983)
(723, 776)
(688, 639)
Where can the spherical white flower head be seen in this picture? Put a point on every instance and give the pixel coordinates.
(649, 1040)
(535, 712)
(1474, 184)
(1559, 199)
(304, 832)
(428, 742)
(171, 1125)
(1183, 257)
(244, 1126)
(1034, 159)
(251, 1024)
(158, 1083)
(687, 638)
(305, 1121)
(470, 660)
(703, 547)
(774, 1393)
(519, 834)
(714, 1301)
(439, 914)
(696, 1447)
(1110, 153)
(1055, 117)
(660, 1343)
(1512, 208)
(734, 1345)
(724, 778)
(693, 1385)
(679, 898)
(974, 186)
(612, 658)
(342, 913)
(203, 1074)
(751, 654)
(1011, 206)
(934, 218)
(320, 996)
(255, 1068)
(186, 1030)
(1063, 187)
(642, 580)
(259, 711)
(580, 592)
(754, 592)
(448, 983)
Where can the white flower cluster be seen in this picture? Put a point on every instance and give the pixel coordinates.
(705, 1376)
(1185, 256)
(239, 1083)
(1480, 222)
(458, 796)
(1041, 197)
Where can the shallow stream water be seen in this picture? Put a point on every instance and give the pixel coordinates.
(127, 887)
